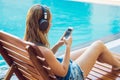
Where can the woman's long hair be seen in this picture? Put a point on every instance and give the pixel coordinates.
(33, 33)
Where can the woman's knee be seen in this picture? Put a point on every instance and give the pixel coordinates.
(98, 45)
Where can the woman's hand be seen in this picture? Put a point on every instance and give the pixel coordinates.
(68, 41)
(60, 42)
(57, 45)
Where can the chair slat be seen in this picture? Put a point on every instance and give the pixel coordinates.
(28, 73)
(29, 78)
(116, 73)
(92, 77)
(14, 48)
(18, 56)
(103, 68)
(25, 66)
(107, 70)
(12, 39)
(98, 75)
(104, 73)
(104, 65)
(16, 60)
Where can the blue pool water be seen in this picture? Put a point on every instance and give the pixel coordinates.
(90, 21)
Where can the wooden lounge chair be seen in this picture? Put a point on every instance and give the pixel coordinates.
(27, 62)
(24, 59)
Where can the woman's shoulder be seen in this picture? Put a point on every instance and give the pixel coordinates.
(45, 50)
(48, 54)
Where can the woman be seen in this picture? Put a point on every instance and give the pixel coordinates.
(74, 65)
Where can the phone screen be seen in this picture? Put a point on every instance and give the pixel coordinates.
(68, 32)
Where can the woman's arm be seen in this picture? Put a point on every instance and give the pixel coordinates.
(66, 58)
(59, 69)
(56, 46)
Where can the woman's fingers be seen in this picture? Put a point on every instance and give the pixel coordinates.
(68, 41)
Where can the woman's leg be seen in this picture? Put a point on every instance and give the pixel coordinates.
(77, 53)
(117, 56)
(97, 51)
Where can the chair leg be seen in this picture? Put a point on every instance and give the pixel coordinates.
(10, 72)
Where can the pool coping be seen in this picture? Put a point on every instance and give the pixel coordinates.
(107, 2)
(110, 41)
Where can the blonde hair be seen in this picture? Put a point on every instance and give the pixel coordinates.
(33, 33)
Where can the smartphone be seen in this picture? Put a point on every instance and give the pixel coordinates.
(68, 32)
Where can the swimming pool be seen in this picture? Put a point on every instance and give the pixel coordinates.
(90, 21)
